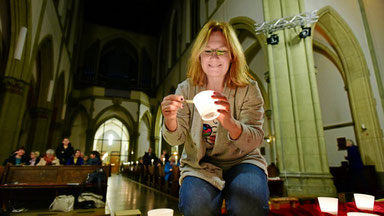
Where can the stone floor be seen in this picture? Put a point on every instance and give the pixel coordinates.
(124, 194)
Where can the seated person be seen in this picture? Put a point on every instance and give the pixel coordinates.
(164, 155)
(85, 159)
(94, 158)
(49, 158)
(76, 159)
(17, 158)
(35, 159)
(169, 168)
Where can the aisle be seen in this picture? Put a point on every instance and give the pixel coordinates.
(124, 193)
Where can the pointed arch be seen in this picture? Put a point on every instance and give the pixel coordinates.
(362, 102)
(242, 23)
(115, 111)
(145, 133)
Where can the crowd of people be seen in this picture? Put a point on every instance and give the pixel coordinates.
(150, 158)
(65, 154)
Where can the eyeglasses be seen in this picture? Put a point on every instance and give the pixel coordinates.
(212, 52)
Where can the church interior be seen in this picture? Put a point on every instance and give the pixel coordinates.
(95, 72)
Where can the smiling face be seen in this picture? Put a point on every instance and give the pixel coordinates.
(77, 154)
(215, 58)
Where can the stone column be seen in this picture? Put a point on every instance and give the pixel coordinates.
(89, 140)
(299, 136)
(38, 135)
(12, 100)
(133, 140)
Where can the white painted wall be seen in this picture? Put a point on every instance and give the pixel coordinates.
(350, 11)
(78, 131)
(375, 16)
(143, 141)
(334, 105)
(101, 104)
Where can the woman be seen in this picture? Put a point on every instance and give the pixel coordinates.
(17, 158)
(49, 158)
(34, 158)
(94, 158)
(76, 159)
(223, 161)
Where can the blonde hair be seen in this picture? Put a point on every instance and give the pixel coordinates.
(238, 74)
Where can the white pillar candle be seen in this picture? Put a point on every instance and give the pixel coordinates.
(328, 204)
(360, 214)
(364, 201)
(206, 105)
(161, 212)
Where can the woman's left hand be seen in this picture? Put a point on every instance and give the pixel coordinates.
(225, 118)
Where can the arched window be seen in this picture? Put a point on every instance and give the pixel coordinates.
(112, 138)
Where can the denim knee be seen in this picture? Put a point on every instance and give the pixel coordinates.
(198, 197)
(246, 190)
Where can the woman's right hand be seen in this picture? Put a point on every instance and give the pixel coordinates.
(169, 107)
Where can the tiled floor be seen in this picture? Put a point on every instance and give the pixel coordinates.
(124, 194)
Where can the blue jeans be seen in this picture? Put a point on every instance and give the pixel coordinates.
(245, 193)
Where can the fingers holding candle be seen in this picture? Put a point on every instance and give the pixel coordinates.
(225, 118)
(223, 102)
(171, 104)
(169, 107)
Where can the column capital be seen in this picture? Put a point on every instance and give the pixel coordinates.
(13, 85)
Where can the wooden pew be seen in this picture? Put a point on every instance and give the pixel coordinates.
(2, 171)
(160, 178)
(175, 181)
(43, 183)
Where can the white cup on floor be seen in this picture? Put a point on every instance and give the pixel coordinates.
(360, 214)
(161, 212)
(364, 201)
(328, 204)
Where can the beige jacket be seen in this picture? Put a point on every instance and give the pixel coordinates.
(247, 107)
(42, 162)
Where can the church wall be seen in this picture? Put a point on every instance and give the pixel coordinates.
(132, 108)
(335, 108)
(43, 25)
(143, 141)
(351, 13)
(374, 12)
(78, 131)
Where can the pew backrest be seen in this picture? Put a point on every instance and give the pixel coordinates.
(49, 174)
